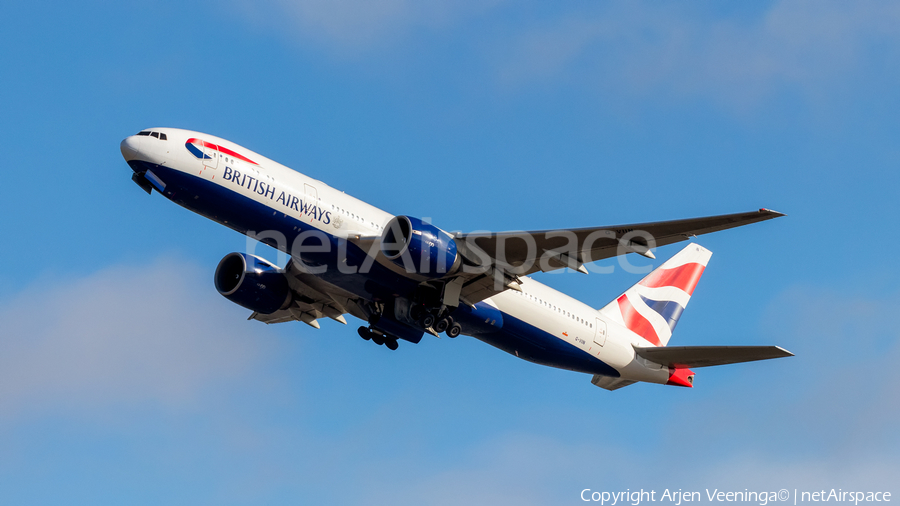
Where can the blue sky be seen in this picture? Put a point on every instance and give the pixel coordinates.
(125, 378)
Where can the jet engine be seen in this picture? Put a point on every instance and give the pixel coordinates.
(252, 282)
(419, 247)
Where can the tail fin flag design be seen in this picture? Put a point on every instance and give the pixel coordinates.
(652, 307)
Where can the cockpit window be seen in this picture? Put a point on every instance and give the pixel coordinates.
(159, 135)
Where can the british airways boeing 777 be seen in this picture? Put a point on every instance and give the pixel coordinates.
(405, 277)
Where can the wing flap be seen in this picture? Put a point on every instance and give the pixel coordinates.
(705, 356)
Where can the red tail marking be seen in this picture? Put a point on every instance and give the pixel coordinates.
(684, 277)
(637, 323)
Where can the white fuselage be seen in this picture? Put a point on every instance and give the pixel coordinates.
(532, 317)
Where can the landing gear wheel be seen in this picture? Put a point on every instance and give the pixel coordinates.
(454, 330)
(427, 320)
(416, 312)
(379, 340)
(391, 344)
(364, 333)
(442, 325)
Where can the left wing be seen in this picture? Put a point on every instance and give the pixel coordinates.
(494, 260)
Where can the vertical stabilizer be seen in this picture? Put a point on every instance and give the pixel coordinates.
(651, 308)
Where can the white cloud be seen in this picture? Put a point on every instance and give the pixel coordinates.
(826, 419)
(847, 346)
(124, 335)
(160, 336)
(642, 47)
(526, 469)
(357, 25)
(620, 48)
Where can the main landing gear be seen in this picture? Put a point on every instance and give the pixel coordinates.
(437, 320)
(409, 316)
(378, 338)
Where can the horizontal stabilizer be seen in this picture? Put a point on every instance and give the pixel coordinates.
(705, 356)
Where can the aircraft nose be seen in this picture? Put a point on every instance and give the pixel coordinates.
(130, 148)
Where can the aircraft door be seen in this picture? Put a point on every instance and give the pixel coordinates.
(211, 158)
(311, 196)
(600, 332)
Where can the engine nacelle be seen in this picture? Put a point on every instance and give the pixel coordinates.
(252, 282)
(419, 247)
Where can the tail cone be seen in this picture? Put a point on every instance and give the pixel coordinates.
(681, 377)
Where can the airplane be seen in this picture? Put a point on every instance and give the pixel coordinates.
(405, 277)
